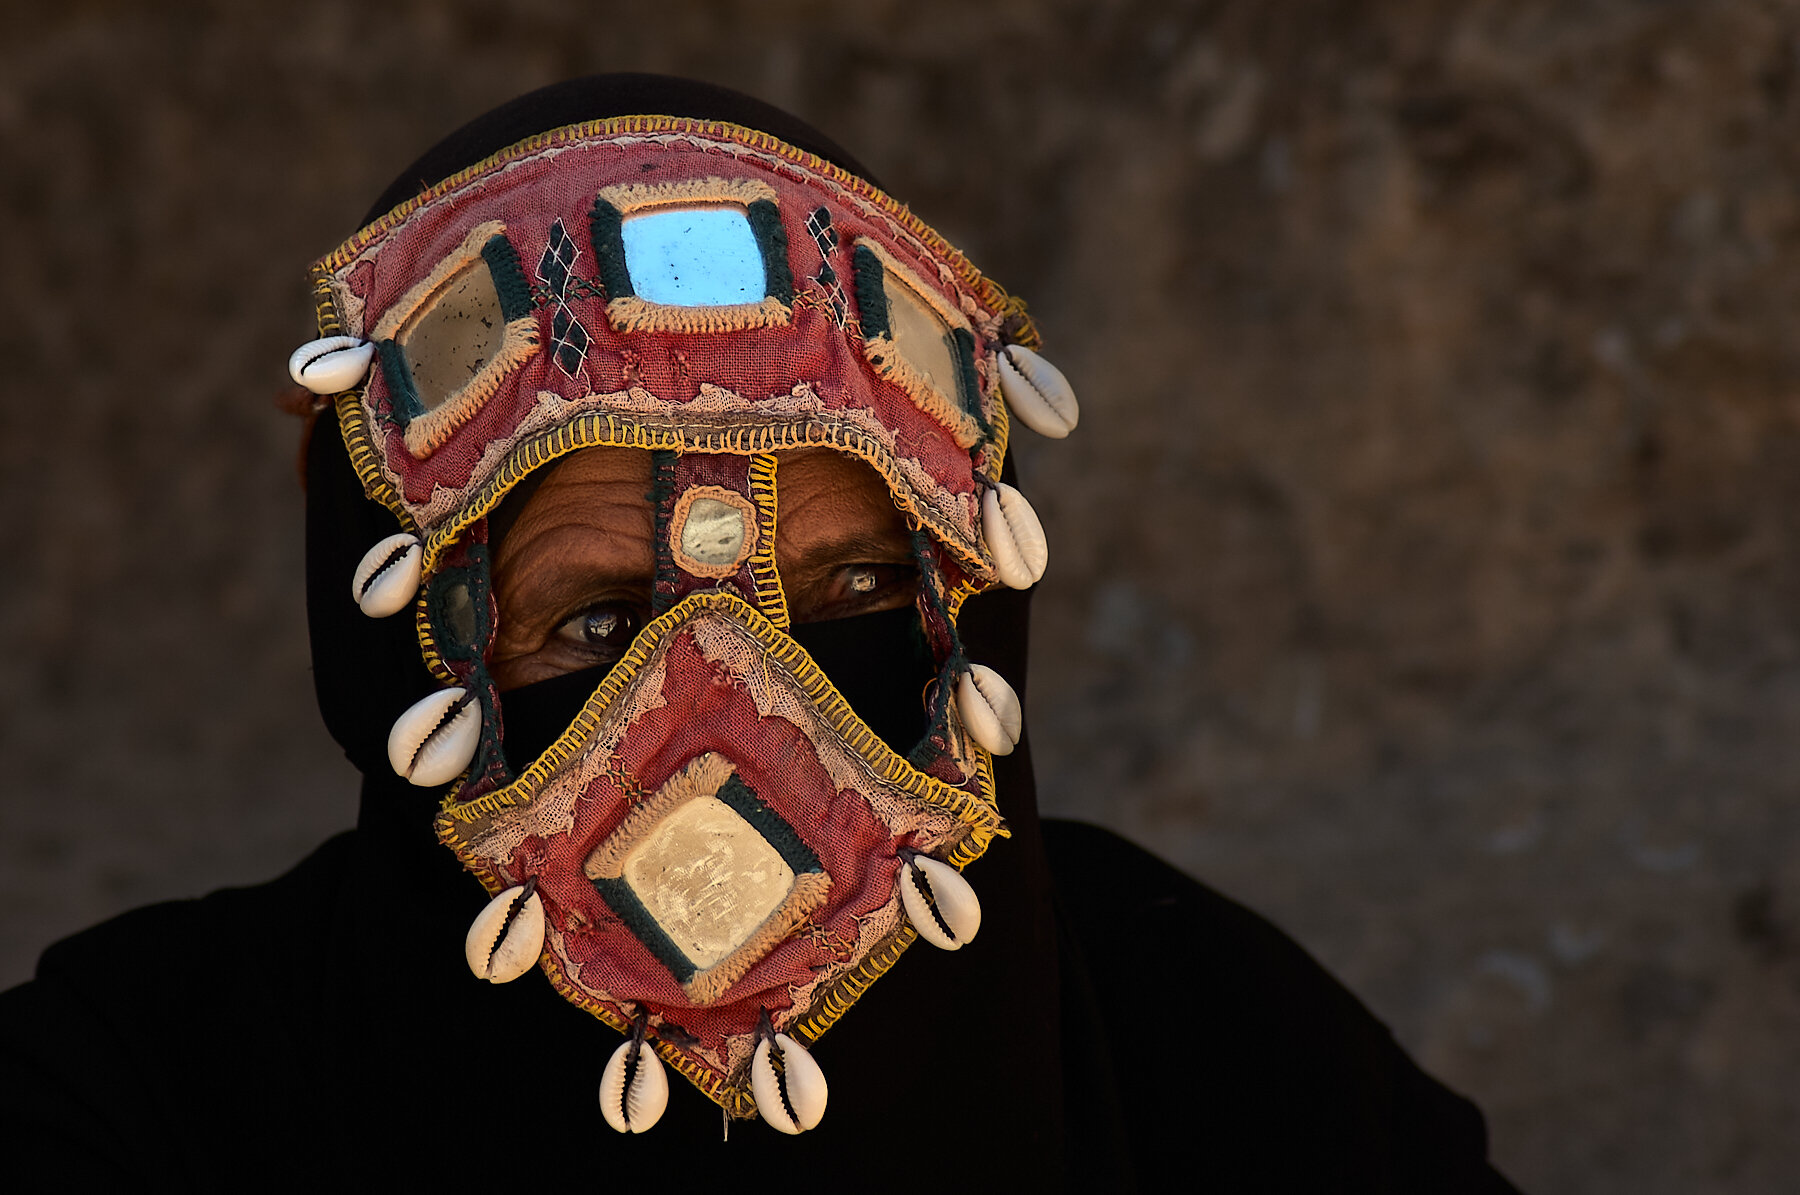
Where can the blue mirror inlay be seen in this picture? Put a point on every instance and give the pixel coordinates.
(694, 257)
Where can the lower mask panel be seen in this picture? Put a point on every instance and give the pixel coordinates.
(717, 838)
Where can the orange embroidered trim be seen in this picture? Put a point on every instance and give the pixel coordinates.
(629, 313)
(763, 437)
(975, 812)
(639, 197)
(769, 593)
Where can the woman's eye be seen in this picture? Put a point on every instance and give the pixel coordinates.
(606, 629)
(859, 587)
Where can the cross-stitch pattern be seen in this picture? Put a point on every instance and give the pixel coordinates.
(818, 224)
(555, 269)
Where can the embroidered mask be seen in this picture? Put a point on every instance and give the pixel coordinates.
(718, 855)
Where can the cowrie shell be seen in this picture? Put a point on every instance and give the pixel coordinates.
(331, 365)
(951, 917)
(1014, 537)
(388, 576)
(432, 742)
(507, 936)
(794, 1100)
(1037, 392)
(989, 709)
(634, 1088)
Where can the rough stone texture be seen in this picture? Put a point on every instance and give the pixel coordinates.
(1424, 569)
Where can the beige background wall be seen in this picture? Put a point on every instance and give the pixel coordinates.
(1425, 570)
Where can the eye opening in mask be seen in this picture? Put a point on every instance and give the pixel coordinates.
(697, 255)
(448, 343)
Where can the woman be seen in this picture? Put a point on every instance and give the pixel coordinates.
(667, 573)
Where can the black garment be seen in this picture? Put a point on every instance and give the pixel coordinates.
(324, 1028)
(314, 1030)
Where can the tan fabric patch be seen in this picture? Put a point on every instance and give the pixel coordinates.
(427, 433)
(708, 878)
(401, 312)
(457, 334)
(700, 778)
(637, 197)
(712, 531)
(458, 378)
(911, 356)
(808, 893)
(632, 314)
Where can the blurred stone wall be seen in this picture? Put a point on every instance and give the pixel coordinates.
(1424, 570)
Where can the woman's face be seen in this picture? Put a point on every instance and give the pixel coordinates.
(573, 575)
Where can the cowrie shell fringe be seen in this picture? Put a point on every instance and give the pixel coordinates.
(1014, 537)
(506, 937)
(388, 576)
(432, 742)
(331, 365)
(989, 709)
(634, 1089)
(794, 1100)
(951, 917)
(1037, 392)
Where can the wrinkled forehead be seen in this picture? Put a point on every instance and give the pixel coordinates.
(666, 284)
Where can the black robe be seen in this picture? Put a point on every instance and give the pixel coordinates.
(259, 1037)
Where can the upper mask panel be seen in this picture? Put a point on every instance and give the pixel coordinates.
(665, 283)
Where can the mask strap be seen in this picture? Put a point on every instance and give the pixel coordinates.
(715, 529)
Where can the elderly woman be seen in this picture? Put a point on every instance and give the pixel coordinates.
(668, 585)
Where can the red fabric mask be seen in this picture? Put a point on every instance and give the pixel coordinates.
(718, 848)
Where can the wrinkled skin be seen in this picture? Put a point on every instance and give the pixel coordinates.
(573, 575)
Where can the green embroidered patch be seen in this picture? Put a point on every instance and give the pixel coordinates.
(403, 395)
(771, 238)
(967, 386)
(509, 277)
(743, 799)
(871, 297)
(629, 909)
(607, 226)
(662, 500)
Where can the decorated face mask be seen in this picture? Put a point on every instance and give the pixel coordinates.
(718, 855)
